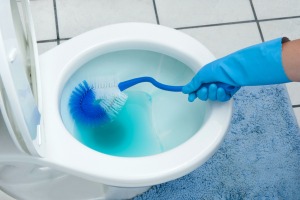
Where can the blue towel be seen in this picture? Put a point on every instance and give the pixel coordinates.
(259, 159)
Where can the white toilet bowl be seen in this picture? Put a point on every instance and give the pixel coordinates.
(43, 140)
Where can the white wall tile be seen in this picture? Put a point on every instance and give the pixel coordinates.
(43, 17)
(222, 40)
(78, 16)
(297, 114)
(266, 9)
(179, 13)
(294, 92)
(43, 47)
(279, 28)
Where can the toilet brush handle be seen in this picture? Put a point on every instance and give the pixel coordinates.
(129, 83)
(230, 90)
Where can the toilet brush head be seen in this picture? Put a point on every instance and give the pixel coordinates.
(95, 103)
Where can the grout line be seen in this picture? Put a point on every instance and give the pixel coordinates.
(257, 22)
(56, 22)
(219, 24)
(295, 106)
(239, 22)
(279, 18)
(45, 41)
(155, 10)
(65, 38)
(53, 40)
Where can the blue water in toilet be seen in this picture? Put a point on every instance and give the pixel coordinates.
(152, 121)
(130, 134)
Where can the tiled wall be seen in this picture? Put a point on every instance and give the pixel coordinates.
(223, 26)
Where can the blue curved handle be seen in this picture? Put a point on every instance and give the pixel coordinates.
(129, 83)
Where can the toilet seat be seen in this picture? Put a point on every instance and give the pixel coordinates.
(19, 62)
(56, 147)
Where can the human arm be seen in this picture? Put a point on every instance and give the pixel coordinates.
(291, 59)
(260, 64)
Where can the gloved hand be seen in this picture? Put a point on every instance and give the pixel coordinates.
(260, 64)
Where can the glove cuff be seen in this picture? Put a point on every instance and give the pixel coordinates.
(262, 66)
(274, 62)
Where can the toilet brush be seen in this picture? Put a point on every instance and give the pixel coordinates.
(96, 104)
(93, 103)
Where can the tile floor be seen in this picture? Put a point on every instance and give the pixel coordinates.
(222, 25)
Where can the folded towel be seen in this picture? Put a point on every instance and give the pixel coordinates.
(259, 158)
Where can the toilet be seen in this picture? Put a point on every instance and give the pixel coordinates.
(40, 155)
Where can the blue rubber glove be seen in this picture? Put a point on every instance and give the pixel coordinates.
(260, 64)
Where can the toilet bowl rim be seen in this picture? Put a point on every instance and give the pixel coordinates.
(151, 177)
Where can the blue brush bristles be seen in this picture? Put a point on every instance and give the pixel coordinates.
(95, 104)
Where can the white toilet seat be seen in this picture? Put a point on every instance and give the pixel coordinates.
(64, 152)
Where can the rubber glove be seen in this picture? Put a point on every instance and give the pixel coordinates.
(260, 64)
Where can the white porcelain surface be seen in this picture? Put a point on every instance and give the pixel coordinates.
(63, 153)
(266, 9)
(140, 171)
(95, 13)
(222, 40)
(178, 13)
